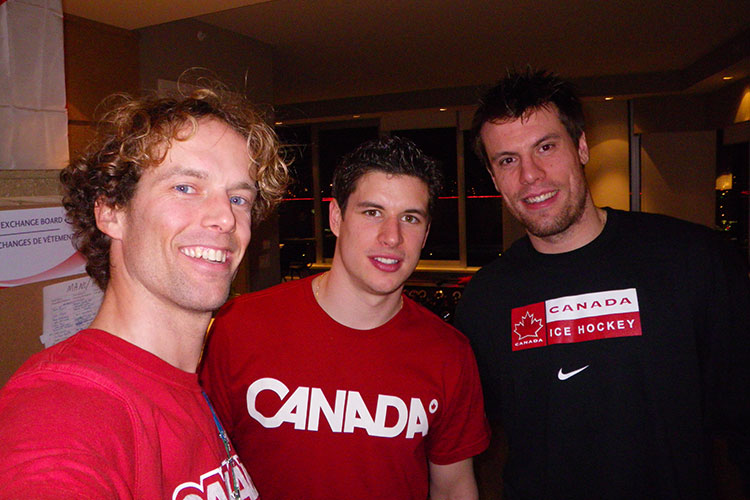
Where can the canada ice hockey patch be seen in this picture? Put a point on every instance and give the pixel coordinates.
(576, 318)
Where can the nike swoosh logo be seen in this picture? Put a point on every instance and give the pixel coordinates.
(566, 376)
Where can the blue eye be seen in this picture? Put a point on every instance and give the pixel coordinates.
(238, 200)
(184, 188)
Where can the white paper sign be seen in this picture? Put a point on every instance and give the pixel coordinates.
(69, 307)
(36, 245)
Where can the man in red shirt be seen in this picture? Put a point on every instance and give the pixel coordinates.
(162, 205)
(337, 386)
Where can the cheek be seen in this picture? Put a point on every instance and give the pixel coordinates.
(578, 178)
(497, 180)
(504, 186)
(417, 239)
(246, 235)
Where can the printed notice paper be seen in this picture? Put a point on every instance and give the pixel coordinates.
(36, 245)
(69, 306)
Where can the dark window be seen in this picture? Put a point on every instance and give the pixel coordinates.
(296, 215)
(484, 218)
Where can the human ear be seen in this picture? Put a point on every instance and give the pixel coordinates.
(108, 218)
(334, 217)
(583, 149)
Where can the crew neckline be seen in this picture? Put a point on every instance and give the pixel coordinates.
(527, 250)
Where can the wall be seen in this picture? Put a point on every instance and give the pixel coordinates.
(730, 105)
(99, 60)
(679, 175)
(608, 170)
(679, 148)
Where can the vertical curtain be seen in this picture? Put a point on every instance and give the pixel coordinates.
(33, 118)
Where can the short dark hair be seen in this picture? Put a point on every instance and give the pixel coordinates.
(391, 155)
(520, 92)
(134, 135)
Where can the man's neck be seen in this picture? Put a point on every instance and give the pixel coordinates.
(584, 231)
(352, 307)
(176, 336)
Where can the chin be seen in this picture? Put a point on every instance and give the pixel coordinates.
(207, 303)
(388, 288)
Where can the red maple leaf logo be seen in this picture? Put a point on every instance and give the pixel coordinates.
(529, 326)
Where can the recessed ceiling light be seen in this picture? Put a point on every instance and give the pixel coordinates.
(278, 123)
(443, 109)
(356, 116)
(727, 77)
(608, 98)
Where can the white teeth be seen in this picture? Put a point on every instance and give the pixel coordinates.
(386, 261)
(209, 254)
(540, 198)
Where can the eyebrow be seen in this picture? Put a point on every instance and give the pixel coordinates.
(200, 174)
(547, 137)
(552, 135)
(372, 204)
(178, 171)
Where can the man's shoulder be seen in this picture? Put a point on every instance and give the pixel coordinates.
(650, 230)
(95, 364)
(75, 356)
(62, 412)
(640, 221)
(500, 272)
(70, 378)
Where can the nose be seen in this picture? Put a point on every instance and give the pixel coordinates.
(390, 232)
(531, 170)
(218, 213)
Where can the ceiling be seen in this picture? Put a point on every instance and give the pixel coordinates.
(333, 49)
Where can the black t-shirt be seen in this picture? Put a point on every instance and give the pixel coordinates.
(611, 365)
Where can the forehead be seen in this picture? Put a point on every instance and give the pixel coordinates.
(209, 145)
(208, 135)
(376, 185)
(545, 119)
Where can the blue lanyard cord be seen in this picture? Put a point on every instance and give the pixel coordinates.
(223, 436)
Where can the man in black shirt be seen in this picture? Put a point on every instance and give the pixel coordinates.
(612, 345)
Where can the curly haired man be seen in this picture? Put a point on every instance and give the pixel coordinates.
(162, 204)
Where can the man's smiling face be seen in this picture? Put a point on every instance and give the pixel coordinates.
(183, 234)
(537, 168)
(383, 231)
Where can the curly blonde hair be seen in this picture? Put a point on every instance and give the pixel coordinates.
(134, 135)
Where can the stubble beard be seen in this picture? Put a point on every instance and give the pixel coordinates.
(544, 228)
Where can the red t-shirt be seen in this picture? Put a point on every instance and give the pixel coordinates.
(96, 417)
(321, 411)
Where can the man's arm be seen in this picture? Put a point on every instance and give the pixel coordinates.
(726, 353)
(453, 482)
